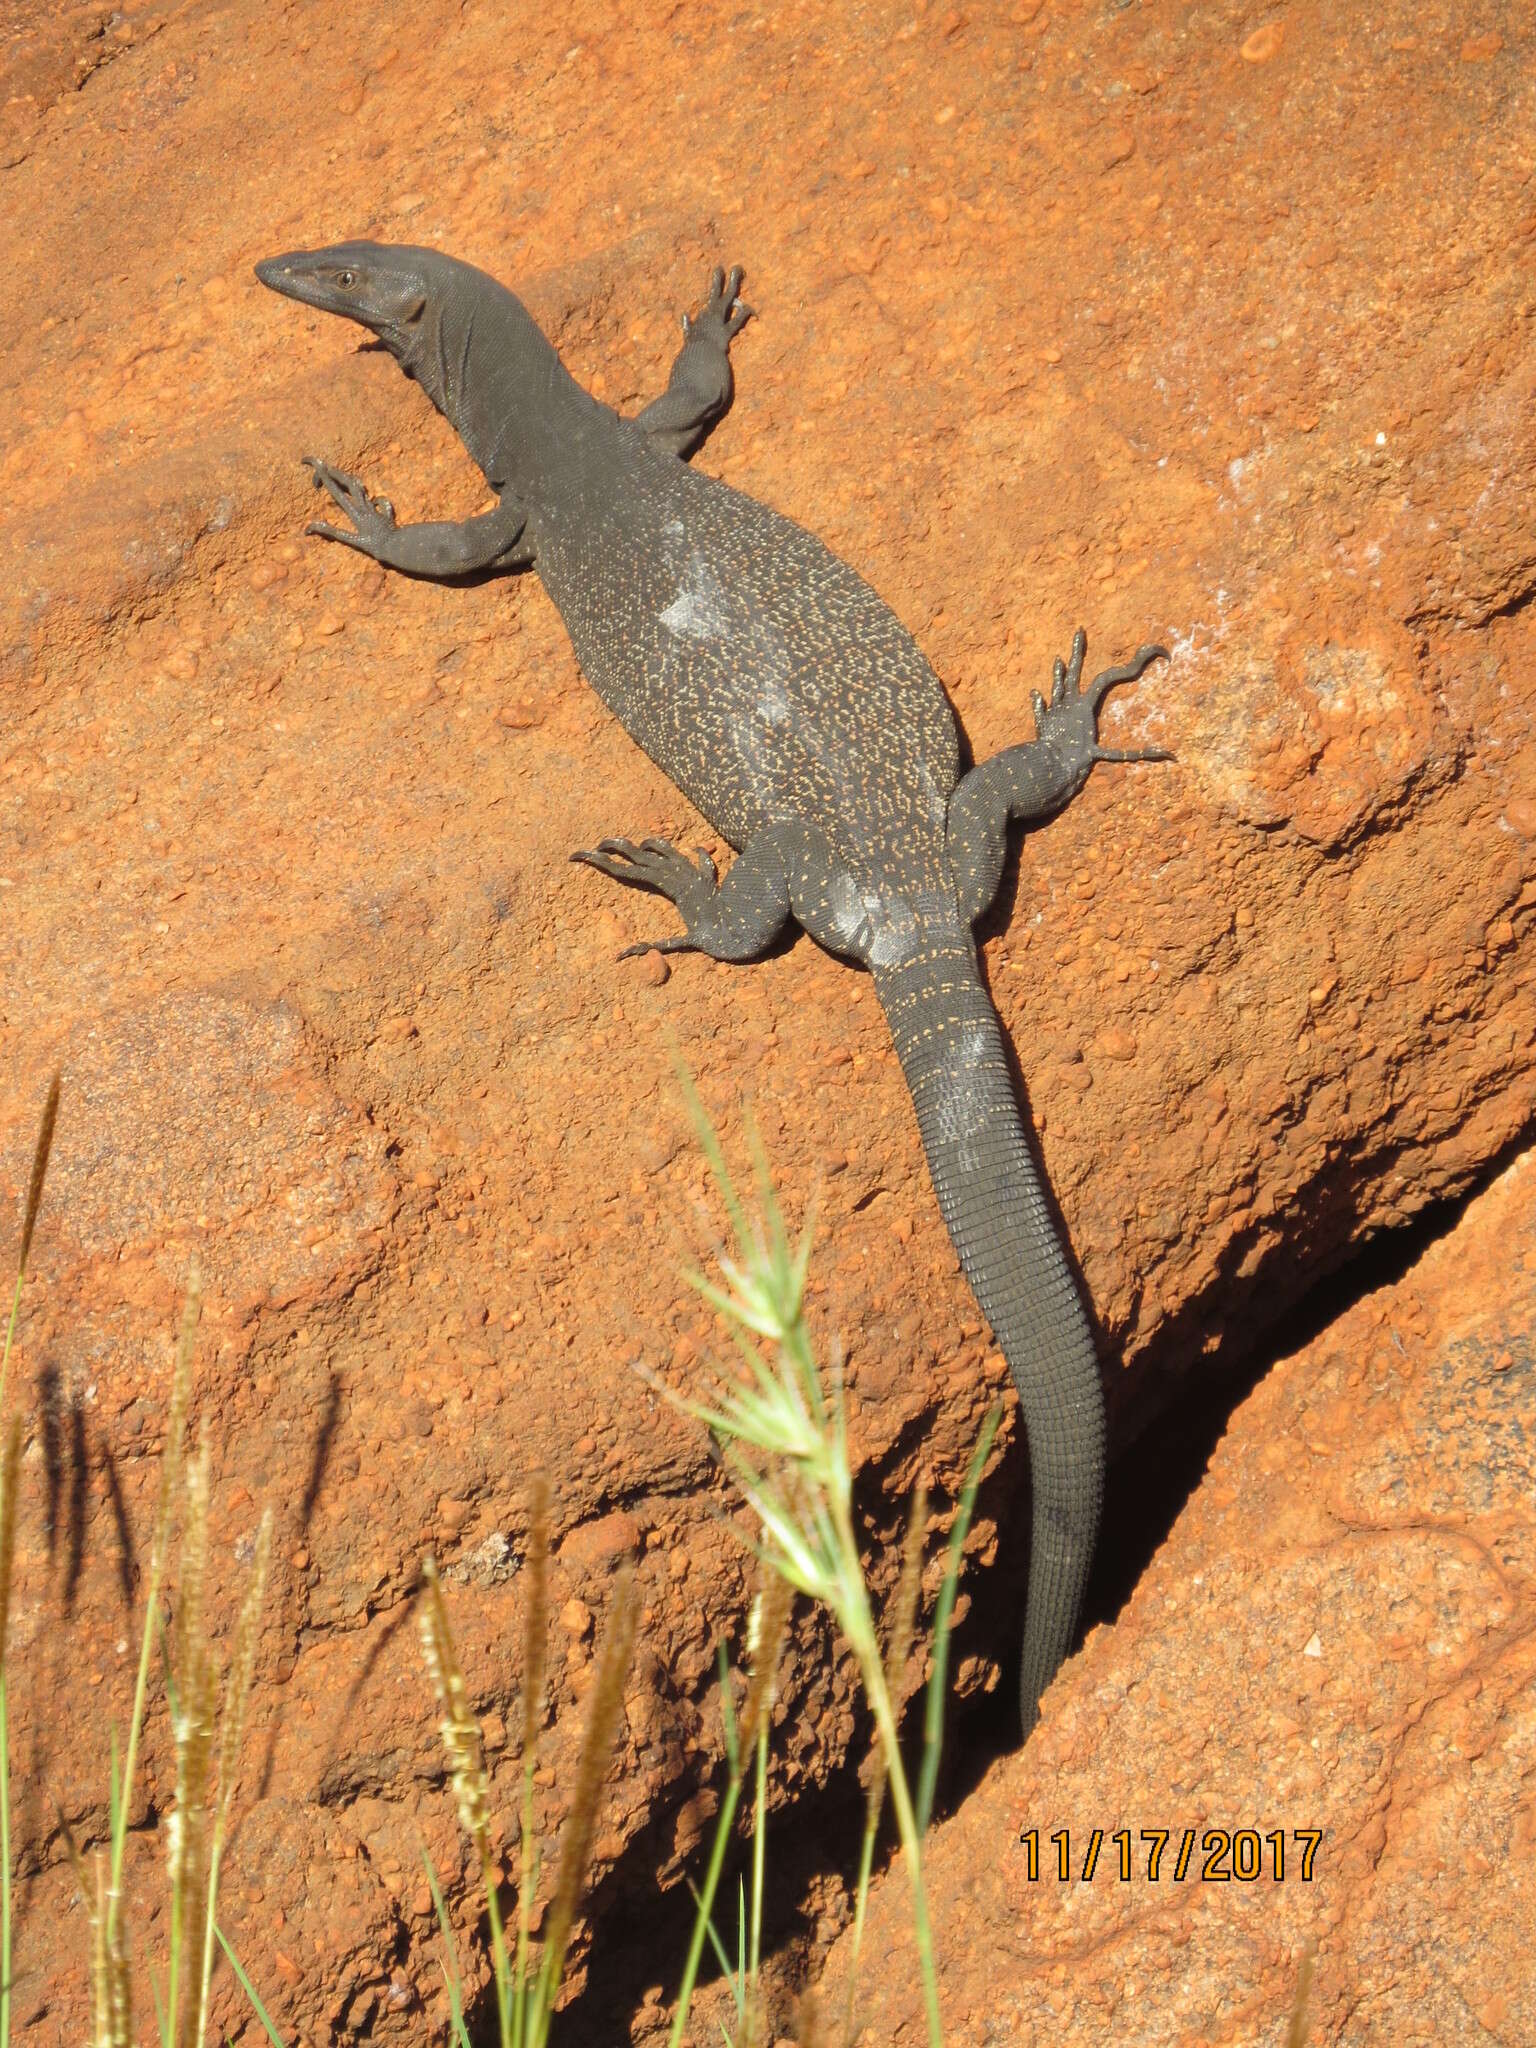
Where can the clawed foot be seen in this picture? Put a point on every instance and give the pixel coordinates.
(372, 517)
(657, 865)
(722, 316)
(1071, 719)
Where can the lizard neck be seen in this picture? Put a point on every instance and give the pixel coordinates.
(477, 354)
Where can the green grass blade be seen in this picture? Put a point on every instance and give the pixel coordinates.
(740, 1985)
(713, 1934)
(5, 1862)
(933, 1711)
(114, 1796)
(759, 1850)
(160, 2015)
(702, 1923)
(709, 1145)
(450, 1961)
(727, 1709)
(248, 1988)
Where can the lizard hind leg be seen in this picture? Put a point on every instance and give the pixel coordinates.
(736, 919)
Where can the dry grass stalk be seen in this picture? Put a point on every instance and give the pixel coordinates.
(39, 1168)
(904, 1611)
(1296, 2034)
(189, 1632)
(808, 2027)
(462, 1740)
(897, 1651)
(111, 1985)
(776, 1601)
(535, 1654)
(193, 1725)
(242, 1669)
(591, 1770)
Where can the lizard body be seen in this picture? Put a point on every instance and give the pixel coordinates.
(767, 679)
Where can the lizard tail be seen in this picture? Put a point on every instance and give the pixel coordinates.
(950, 1044)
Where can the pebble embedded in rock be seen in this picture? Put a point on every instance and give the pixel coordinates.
(1263, 44)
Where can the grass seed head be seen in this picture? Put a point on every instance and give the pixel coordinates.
(242, 1667)
(189, 1640)
(591, 1770)
(172, 1457)
(771, 1612)
(809, 2031)
(462, 1741)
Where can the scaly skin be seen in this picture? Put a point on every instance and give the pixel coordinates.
(794, 710)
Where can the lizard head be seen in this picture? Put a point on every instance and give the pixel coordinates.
(383, 288)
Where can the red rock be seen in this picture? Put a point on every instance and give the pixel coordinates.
(1369, 1619)
(274, 954)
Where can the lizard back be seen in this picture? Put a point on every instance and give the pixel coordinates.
(759, 672)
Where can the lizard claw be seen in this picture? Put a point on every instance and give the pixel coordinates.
(371, 516)
(722, 316)
(677, 945)
(654, 864)
(351, 540)
(1065, 682)
(657, 865)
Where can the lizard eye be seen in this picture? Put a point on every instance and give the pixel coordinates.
(346, 279)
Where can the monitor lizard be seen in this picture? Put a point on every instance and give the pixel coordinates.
(797, 714)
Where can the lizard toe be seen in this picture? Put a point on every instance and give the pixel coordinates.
(644, 946)
(1133, 754)
(1074, 675)
(1126, 672)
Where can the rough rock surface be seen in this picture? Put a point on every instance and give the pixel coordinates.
(1209, 323)
(1339, 1635)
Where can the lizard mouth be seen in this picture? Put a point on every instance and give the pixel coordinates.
(283, 274)
(299, 276)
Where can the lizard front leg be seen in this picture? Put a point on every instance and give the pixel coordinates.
(433, 548)
(700, 387)
(736, 919)
(1032, 781)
